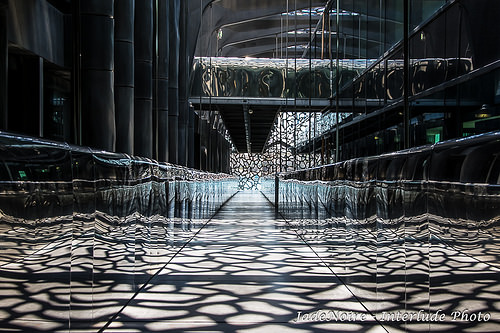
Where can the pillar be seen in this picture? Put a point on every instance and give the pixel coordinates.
(162, 80)
(39, 86)
(97, 62)
(191, 139)
(183, 86)
(124, 75)
(25, 94)
(204, 130)
(4, 49)
(197, 142)
(173, 83)
(143, 104)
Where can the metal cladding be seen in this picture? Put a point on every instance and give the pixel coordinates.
(173, 83)
(237, 77)
(184, 72)
(97, 63)
(191, 140)
(4, 48)
(112, 221)
(124, 75)
(162, 78)
(143, 49)
(394, 220)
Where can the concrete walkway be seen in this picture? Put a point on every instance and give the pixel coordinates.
(245, 271)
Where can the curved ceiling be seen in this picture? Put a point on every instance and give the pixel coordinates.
(282, 28)
(287, 29)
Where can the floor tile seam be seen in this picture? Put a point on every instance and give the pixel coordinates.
(250, 322)
(324, 263)
(110, 321)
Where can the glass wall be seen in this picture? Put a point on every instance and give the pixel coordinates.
(452, 77)
(267, 78)
(82, 230)
(411, 232)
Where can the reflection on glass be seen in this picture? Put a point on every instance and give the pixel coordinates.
(82, 230)
(260, 77)
(409, 231)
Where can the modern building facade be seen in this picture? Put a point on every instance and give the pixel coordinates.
(226, 165)
(111, 75)
(131, 87)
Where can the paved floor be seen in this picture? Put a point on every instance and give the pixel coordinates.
(245, 272)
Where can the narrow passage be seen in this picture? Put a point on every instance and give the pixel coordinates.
(247, 272)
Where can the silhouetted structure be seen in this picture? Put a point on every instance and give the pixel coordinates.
(128, 129)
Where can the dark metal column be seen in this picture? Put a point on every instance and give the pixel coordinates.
(39, 67)
(337, 83)
(25, 94)
(227, 156)
(214, 148)
(97, 62)
(406, 75)
(124, 75)
(218, 157)
(143, 106)
(76, 75)
(183, 84)
(191, 139)
(204, 130)
(173, 83)
(276, 195)
(4, 54)
(161, 80)
(212, 144)
(197, 142)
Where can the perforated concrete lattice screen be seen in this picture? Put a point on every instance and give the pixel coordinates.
(280, 153)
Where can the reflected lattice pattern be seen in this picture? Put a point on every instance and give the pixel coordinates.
(279, 154)
(407, 232)
(81, 230)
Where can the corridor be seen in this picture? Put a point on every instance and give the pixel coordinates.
(246, 272)
(243, 270)
(249, 166)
